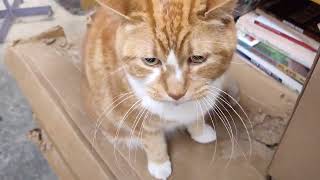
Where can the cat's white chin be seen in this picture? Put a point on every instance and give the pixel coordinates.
(183, 113)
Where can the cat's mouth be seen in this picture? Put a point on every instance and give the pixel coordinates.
(176, 102)
(181, 101)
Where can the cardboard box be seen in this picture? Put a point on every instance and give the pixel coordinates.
(48, 70)
(298, 156)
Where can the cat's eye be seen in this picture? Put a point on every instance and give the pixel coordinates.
(197, 59)
(151, 61)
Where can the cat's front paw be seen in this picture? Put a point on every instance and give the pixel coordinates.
(160, 171)
(208, 135)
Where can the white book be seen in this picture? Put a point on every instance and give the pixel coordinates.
(297, 53)
(286, 80)
(273, 25)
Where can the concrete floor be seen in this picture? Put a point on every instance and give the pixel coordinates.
(19, 157)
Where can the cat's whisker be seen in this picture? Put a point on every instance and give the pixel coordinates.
(133, 106)
(243, 153)
(202, 114)
(135, 123)
(114, 100)
(140, 135)
(107, 111)
(197, 110)
(242, 121)
(140, 131)
(237, 103)
(120, 126)
(214, 127)
(229, 114)
(234, 140)
(227, 125)
(241, 108)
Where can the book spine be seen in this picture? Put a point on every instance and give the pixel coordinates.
(292, 73)
(291, 25)
(303, 31)
(272, 53)
(283, 63)
(256, 65)
(271, 70)
(296, 41)
(281, 58)
(266, 41)
(282, 67)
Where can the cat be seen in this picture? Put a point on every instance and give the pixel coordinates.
(152, 66)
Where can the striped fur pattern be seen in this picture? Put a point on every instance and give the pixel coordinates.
(142, 70)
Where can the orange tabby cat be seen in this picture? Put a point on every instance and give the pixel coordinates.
(154, 65)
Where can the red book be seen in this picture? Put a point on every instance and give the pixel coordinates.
(301, 43)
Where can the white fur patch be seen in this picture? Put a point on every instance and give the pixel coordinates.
(160, 171)
(208, 135)
(172, 60)
(155, 74)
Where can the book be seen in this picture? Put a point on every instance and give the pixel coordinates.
(269, 69)
(270, 26)
(275, 57)
(289, 29)
(302, 15)
(283, 65)
(297, 31)
(295, 52)
(282, 62)
(257, 66)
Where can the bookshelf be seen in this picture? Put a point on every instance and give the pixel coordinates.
(280, 44)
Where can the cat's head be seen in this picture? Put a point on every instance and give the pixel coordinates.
(174, 49)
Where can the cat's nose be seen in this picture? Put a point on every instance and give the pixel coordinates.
(176, 96)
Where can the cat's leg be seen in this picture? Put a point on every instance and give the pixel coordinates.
(201, 132)
(155, 146)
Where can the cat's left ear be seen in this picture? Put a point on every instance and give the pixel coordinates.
(222, 9)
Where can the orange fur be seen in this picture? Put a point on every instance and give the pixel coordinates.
(125, 32)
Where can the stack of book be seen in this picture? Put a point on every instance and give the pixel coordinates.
(279, 46)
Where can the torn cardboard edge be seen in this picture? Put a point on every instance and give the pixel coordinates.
(54, 32)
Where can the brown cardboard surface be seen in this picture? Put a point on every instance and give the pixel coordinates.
(57, 163)
(50, 76)
(55, 121)
(298, 155)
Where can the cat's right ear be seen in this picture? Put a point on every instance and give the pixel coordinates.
(123, 8)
